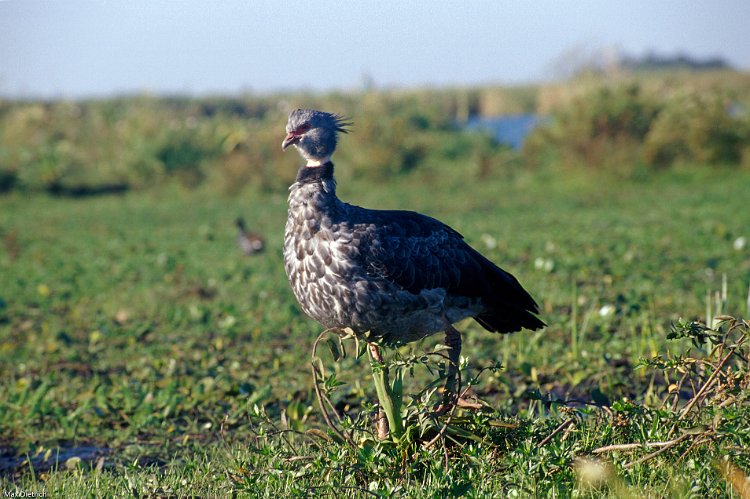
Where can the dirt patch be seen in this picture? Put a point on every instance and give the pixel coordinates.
(45, 460)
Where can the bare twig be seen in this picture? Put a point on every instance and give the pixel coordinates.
(282, 434)
(633, 446)
(667, 446)
(321, 397)
(557, 430)
(698, 396)
(698, 442)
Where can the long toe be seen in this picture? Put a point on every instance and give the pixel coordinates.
(469, 404)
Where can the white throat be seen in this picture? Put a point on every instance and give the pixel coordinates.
(313, 163)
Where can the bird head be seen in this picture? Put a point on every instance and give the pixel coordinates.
(314, 134)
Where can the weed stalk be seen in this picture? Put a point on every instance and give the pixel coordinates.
(574, 323)
(390, 396)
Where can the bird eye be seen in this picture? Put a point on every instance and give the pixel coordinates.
(301, 129)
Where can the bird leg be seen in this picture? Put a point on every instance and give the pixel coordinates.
(451, 395)
(381, 422)
(450, 391)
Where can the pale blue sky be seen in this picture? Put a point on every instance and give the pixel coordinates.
(74, 48)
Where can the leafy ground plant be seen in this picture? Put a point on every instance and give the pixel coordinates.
(701, 425)
(144, 354)
(415, 422)
(706, 406)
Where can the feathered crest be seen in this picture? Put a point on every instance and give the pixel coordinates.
(299, 117)
(343, 124)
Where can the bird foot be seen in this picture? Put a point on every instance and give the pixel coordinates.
(447, 406)
(468, 404)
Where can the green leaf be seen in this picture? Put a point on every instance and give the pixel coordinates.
(333, 345)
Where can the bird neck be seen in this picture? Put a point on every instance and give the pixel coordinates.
(314, 163)
(314, 174)
(315, 188)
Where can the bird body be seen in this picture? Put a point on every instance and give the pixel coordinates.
(390, 276)
(397, 275)
(249, 242)
(331, 253)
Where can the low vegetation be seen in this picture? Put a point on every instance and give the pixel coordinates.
(144, 354)
(621, 123)
(627, 127)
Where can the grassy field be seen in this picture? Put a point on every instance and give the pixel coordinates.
(144, 355)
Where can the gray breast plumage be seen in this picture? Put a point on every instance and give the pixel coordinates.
(334, 255)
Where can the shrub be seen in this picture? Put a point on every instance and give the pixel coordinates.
(229, 143)
(696, 127)
(599, 129)
(623, 127)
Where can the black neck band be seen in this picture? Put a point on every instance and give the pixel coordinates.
(311, 174)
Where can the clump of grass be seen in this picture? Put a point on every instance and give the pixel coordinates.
(134, 324)
(706, 398)
(411, 422)
(700, 418)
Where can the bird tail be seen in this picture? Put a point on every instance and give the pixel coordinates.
(509, 321)
(510, 307)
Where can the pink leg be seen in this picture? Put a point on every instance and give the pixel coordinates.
(451, 395)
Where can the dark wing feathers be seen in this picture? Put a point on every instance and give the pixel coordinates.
(510, 306)
(418, 252)
(414, 251)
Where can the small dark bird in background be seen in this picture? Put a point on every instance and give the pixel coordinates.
(249, 242)
(398, 276)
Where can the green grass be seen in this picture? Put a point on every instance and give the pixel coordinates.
(133, 326)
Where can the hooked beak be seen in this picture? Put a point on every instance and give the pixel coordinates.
(289, 140)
